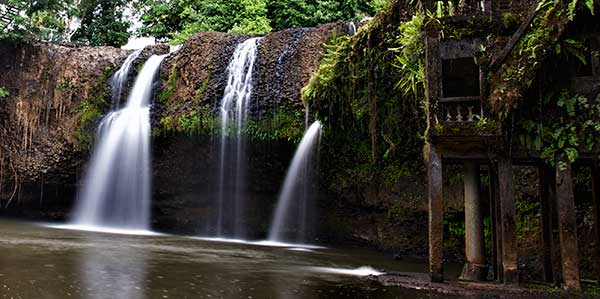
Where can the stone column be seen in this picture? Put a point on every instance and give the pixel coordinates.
(497, 222)
(436, 215)
(506, 195)
(475, 268)
(596, 215)
(547, 198)
(565, 204)
(493, 191)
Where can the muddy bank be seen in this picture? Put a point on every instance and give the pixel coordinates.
(421, 281)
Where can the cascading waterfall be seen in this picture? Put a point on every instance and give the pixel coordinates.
(293, 213)
(351, 29)
(116, 189)
(119, 79)
(234, 113)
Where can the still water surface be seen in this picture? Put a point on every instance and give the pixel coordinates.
(42, 262)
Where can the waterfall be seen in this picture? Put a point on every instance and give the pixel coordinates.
(292, 218)
(351, 28)
(119, 79)
(116, 188)
(232, 159)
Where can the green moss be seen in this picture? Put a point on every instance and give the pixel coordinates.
(528, 218)
(201, 90)
(280, 125)
(4, 92)
(510, 20)
(199, 121)
(394, 172)
(168, 92)
(592, 289)
(91, 108)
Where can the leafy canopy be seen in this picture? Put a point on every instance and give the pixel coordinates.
(178, 19)
(48, 20)
(103, 23)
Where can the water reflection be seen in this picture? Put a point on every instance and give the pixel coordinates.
(110, 271)
(51, 263)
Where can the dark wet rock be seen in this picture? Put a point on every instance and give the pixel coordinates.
(286, 61)
(39, 119)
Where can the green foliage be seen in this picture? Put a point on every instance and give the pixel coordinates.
(90, 109)
(190, 123)
(103, 23)
(528, 218)
(4, 92)
(510, 20)
(592, 289)
(485, 124)
(178, 20)
(159, 18)
(89, 113)
(46, 20)
(201, 90)
(410, 57)
(280, 125)
(292, 13)
(196, 122)
(235, 16)
(394, 172)
(575, 127)
(370, 128)
(322, 84)
(167, 93)
(542, 40)
(454, 224)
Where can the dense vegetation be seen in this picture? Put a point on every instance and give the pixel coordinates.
(90, 22)
(106, 22)
(180, 19)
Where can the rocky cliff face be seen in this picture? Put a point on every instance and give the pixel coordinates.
(53, 91)
(192, 84)
(58, 94)
(48, 84)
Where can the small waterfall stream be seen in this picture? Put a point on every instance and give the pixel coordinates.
(232, 163)
(116, 188)
(293, 214)
(351, 29)
(119, 79)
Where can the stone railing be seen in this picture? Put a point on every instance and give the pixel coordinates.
(460, 109)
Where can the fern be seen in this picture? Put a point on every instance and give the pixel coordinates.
(4, 92)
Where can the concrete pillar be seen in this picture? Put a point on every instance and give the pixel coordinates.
(496, 222)
(547, 197)
(596, 215)
(506, 194)
(475, 267)
(565, 204)
(436, 215)
(493, 191)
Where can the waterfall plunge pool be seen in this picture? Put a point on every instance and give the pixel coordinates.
(45, 262)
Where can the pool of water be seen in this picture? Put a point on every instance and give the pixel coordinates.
(46, 262)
